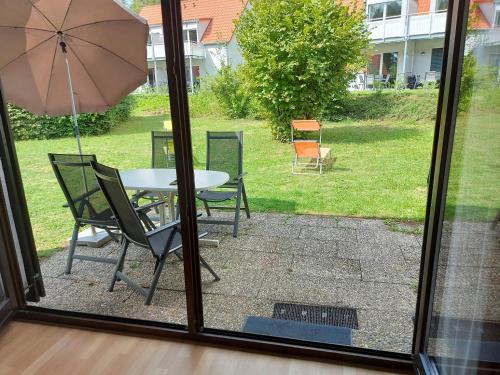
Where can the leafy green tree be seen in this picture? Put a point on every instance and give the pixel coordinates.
(137, 5)
(300, 55)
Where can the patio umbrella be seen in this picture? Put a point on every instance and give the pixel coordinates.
(63, 57)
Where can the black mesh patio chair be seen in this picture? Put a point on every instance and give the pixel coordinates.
(163, 156)
(225, 153)
(86, 201)
(161, 241)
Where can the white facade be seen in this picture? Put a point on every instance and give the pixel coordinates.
(202, 60)
(415, 39)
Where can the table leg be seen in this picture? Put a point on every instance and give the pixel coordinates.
(162, 209)
(171, 206)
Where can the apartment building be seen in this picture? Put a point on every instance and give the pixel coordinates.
(407, 36)
(209, 40)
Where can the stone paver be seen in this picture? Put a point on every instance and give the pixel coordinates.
(345, 262)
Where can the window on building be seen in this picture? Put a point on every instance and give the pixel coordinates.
(151, 77)
(374, 64)
(383, 64)
(190, 35)
(384, 10)
(393, 9)
(375, 12)
(390, 64)
(436, 59)
(441, 5)
(497, 18)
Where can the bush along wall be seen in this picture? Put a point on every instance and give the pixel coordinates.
(26, 126)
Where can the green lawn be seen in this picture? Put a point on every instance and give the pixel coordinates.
(380, 170)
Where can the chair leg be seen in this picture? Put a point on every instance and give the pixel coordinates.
(72, 247)
(205, 203)
(237, 211)
(179, 256)
(156, 278)
(207, 266)
(119, 264)
(245, 200)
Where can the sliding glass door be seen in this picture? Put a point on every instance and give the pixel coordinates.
(463, 317)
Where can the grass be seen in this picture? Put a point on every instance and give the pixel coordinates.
(380, 170)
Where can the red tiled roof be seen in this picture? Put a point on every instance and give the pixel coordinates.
(220, 13)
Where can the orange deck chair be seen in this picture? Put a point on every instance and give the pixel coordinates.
(308, 153)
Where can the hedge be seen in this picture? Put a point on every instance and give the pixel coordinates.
(26, 126)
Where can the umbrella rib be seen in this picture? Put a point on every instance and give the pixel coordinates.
(41, 13)
(66, 15)
(96, 23)
(50, 78)
(90, 76)
(25, 28)
(108, 50)
(26, 52)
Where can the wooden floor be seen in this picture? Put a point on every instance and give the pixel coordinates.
(40, 349)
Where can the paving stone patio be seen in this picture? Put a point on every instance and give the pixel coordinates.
(345, 262)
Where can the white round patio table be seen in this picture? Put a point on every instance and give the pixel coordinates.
(164, 181)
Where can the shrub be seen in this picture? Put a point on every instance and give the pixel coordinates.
(228, 88)
(300, 54)
(26, 126)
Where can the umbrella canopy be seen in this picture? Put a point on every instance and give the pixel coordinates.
(99, 42)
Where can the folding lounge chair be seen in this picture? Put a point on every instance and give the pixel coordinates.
(308, 153)
(163, 156)
(225, 153)
(161, 241)
(86, 201)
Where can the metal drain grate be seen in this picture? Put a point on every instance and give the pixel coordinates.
(326, 315)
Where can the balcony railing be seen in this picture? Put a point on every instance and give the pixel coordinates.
(157, 51)
(410, 26)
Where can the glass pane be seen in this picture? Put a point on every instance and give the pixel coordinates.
(375, 12)
(436, 59)
(441, 5)
(193, 36)
(374, 64)
(316, 259)
(136, 139)
(497, 18)
(466, 316)
(390, 64)
(393, 9)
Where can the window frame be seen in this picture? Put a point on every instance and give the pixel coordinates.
(384, 6)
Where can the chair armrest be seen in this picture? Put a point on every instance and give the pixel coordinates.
(240, 176)
(162, 228)
(148, 206)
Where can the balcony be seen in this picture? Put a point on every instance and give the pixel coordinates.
(418, 26)
(157, 51)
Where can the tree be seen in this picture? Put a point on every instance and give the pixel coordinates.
(137, 5)
(299, 56)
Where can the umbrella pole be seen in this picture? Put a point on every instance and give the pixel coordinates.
(75, 119)
(73, 105)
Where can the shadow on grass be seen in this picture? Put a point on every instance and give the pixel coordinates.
(366, 134)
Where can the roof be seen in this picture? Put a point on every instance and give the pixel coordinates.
(221, 15)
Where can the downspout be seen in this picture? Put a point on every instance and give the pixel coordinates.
(407, 21)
